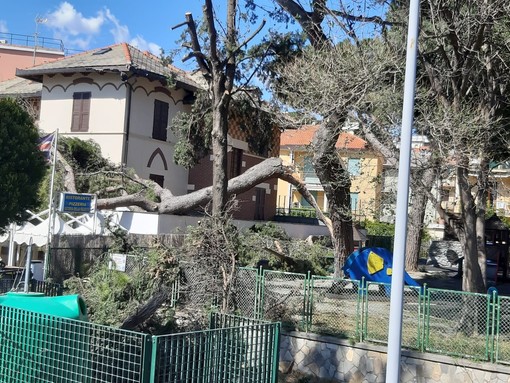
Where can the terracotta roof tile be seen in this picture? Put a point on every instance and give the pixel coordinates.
(114, 58)
(303, 137)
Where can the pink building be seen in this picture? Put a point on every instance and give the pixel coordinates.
(24, 51)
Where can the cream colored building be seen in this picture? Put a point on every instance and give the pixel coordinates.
(118, 97)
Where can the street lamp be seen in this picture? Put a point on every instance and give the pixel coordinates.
(38, 20)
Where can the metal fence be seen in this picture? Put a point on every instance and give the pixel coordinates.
(48, 288)
(233, 350)
(456, 323)
(41, 348)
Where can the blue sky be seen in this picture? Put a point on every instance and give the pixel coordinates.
(83, 25)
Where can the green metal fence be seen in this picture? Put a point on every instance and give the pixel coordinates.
(40, 348)
(234, 349)
(456, 323)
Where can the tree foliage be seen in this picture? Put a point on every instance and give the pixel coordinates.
(22, 165)
(116, 298)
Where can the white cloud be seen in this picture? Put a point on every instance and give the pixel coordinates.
(140, 43)
(119, 32)
(80, 32)
(3, 26)
(68, 20)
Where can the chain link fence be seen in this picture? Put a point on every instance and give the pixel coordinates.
(458, 323)
(502, 329)
(335, 307)
(376, 314)
(284, 298)
(448, 322)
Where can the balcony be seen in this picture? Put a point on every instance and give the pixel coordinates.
(30, 41)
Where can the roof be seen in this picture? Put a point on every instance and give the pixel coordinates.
(303, 137)
(20, 87)
(114, 58)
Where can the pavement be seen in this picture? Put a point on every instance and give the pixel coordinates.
(448, 278)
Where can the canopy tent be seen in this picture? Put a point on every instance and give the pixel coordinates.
(39, 233)
(19, 231)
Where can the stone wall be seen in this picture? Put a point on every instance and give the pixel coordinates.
(332, 358)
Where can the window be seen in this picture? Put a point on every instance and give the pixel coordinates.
(236, 161)
(159, 179)
(81, 112)
(260, 201)
(353, 166)
(354, 201)
(308, 170)
(160, 123)
(305, 203)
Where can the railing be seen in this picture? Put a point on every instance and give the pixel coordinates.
(42, 348)
(31, 41)
(310, 213)
(48, 288)
(234, 349)
(456, 323)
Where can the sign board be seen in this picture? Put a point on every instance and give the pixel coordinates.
(76, 203)
(117, 262)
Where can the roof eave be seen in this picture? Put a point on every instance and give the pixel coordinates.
(37, 74)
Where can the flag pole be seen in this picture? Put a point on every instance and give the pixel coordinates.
(51, 210)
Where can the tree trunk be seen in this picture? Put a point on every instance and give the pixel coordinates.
(472, 280)
(336, 182)
(418, 207)
(414, 231)
(219, 149)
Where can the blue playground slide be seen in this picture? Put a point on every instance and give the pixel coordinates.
(373, 264)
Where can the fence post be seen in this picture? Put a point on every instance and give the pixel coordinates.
(308, 302)
(149, 360)
(421, 317)
(494, 321)
(153, 358)
(363, 304)
(260, 291)
(276, 352)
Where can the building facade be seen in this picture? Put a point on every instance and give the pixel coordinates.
(364, 166)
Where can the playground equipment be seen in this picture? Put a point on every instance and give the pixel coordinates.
(374, 264)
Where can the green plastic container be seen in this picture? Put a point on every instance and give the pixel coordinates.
(44, 339)
(65, 306)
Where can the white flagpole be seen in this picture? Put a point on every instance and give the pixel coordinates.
(51, 210)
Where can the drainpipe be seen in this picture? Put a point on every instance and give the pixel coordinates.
(127, 118)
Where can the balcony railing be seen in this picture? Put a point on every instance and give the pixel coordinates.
(31, 41)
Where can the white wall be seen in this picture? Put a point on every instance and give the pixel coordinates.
(107, 125)
(153, 223)
(142, 145)
(107, 106)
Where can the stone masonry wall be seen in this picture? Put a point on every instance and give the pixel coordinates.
(332, 358)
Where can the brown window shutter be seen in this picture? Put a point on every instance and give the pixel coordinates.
(81, 112)
(85, 113)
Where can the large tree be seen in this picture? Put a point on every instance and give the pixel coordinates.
(216, 56)
(22, 165)
(461, 103)
(340, 90)
(463, 55)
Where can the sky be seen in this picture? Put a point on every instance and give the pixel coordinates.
(83, 25)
